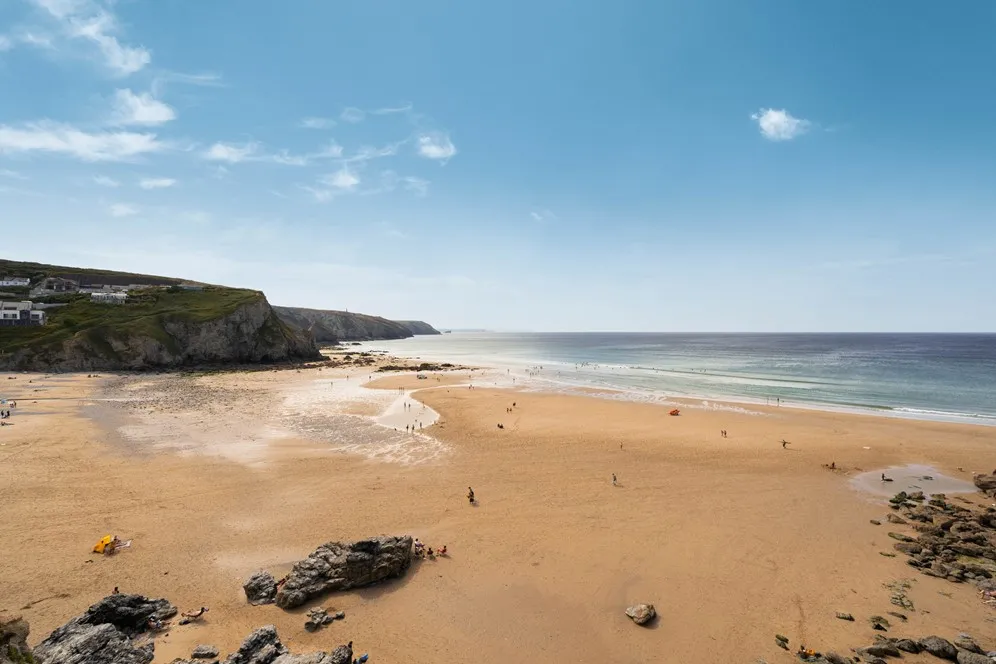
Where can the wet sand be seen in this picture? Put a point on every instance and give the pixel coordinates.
(733, 539)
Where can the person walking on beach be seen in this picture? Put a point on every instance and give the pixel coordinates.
(470, 495)
(614, 481)
(784, 444)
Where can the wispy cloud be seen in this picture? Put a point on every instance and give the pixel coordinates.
(542, 215)
(56, 138)
(352, 115)
(129, 108)
(436, 145)
(232, 153)
(105, 181)
(404, 108)
(317, 123)
(418, 186)
(163, 79)
(780, 125)
(122, 210)
(13, 175)
(156, 183)
(93, 22)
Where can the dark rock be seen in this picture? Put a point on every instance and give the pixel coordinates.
(260, 588)
(340, 566)
(641, 614)
(884, 649)
(879, 623)
(317, 618)
(875, 522)
(916, 495)
(901, 537)
(908, 645)
(341, 655)
(204, 652)
(966, 657)
(834, 658)
(939, 647)
(909, 548)
(261, 647)
(901, 616)
(966, 642)
(103, 634)
(13, 639)
(845, 616)
(985, 483)
(892, 518)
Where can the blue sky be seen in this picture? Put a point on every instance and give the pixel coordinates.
(561, 165)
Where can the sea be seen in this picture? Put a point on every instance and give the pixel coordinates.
(947, 377)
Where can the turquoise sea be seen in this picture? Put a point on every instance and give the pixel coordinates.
(948, 377)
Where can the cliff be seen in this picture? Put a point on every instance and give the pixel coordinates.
(418, 327)
(334, 326)
(157, 328)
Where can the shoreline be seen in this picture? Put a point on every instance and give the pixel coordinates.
(522, 370)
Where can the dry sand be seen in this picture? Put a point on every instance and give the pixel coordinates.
(733, 539)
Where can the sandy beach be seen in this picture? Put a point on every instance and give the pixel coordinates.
(215, 476)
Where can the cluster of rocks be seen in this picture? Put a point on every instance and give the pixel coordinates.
(963, 650)
(319, 617)
(334, 566)
(106, 634)
(953, 542)
(263, 646)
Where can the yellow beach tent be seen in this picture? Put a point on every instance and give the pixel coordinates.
(100, 546)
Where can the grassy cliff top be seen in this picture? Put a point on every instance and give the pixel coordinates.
(38, 271)
(142, 314)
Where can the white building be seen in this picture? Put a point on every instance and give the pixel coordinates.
(109, 297)
(15, 281)
(20, 313)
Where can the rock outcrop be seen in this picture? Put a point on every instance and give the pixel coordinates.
(986, 484)
(340, 566)
(13, 639)
(103, 635)
(329, 327)
(260, 588)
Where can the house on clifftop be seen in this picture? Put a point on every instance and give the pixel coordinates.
(20, 314)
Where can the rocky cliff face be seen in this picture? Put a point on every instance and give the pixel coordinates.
(334, 326)
(251, 333)
(419, 327)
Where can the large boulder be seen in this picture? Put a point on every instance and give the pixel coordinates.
(340, 566)
(939, 647)
(260, 588)
(968, 657)
(103, 634)
(13, 639)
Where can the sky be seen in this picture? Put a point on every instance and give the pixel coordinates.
(565, 165)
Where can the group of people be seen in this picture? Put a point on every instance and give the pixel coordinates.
(722, 432)
(422, 551)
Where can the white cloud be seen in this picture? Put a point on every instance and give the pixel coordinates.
(352, 115)
(286, 159)
(105, 181)
(343, 179)
(156, 183)
(123, 210)
(436, 145)
(14, 175)
(542, 215)
(780, 125)
(88, 20)
(206, 79)
(231, 152)
(56, 138)
(317, 123)
(419, 186)
(140, 109)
